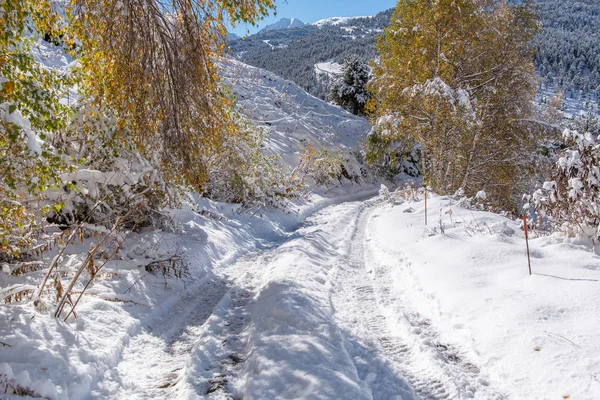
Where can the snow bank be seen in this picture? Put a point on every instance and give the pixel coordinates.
(126, 321)
(536, 337)
(79, 360)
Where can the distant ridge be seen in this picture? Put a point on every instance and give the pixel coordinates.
(283, 23)
(232, 36)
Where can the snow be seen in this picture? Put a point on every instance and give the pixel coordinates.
(15, 117)
(347, 296)
(530, 336)
(571, 105)
(337, 20)
(294, 117)
(95, 177)
(295, 348)
(129, 315)
(329, 68)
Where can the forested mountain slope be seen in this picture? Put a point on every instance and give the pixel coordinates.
(568, 47)
(292, 53)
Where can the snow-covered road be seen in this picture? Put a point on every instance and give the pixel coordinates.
(313, 316)
(390, 341)
(361, 301)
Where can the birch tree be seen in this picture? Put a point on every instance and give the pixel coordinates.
(457, 77)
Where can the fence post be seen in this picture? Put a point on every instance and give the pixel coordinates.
(527, 242)
(425, 205)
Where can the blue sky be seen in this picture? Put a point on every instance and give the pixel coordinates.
(313, 10)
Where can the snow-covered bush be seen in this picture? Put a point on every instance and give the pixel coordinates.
(571, 199)
(397, 155)
(322, 166)
(242, 173)
(110, 179)
(65, 163)
(384, 193)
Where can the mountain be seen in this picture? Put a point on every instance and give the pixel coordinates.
(293, 53)
(232, 36)
(283, 23)
(567, 48)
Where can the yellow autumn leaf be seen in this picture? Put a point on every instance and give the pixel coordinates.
(8, 88)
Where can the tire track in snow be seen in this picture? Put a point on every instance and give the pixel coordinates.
(376, 316)
(191, 351)
(152, 363)
(164, 360)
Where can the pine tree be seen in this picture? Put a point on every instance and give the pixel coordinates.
(457, 77)
(349, 89)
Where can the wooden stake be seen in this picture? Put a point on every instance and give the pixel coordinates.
(425, 205)
(527, 242)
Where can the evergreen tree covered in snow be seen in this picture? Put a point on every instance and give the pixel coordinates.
(350, 88)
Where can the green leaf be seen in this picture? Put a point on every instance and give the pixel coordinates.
(12, 108)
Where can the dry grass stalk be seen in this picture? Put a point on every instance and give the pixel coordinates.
(88, 264)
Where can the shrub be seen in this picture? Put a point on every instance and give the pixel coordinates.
(571, 199)
(322, 166)
(243, 173)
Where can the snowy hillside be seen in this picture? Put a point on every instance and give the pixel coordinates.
(283, 23)
(338, 20)
(329, 68)
(294, 117)
(465, 277)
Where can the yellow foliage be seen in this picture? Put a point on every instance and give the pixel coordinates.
(457, 77)
(150, 67)
(155, 66)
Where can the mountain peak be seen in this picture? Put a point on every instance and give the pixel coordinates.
(283, 23)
